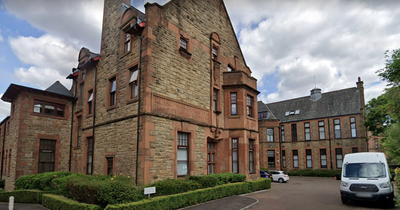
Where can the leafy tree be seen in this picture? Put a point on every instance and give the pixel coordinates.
(392, 142)
(391, 71)
(377, 118)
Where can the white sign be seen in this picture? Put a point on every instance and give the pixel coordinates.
(149, 190)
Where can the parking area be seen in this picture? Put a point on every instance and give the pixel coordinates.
(306, 193)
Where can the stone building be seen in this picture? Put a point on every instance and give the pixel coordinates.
(35, 137)
(169, 95)
(312, 132)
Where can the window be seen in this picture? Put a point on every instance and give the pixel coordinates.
(336, 123)
(183, 155)
(353, 127)
(376, 144)
(110, 166)
(82, 88)
(354, 149)
(283, 133)
(235, 158)
(46, 155)
(127, 44)
(249, 105)
(183, 43)
(233, 103)
(321, 128)
(309, 158)
(113, 91)
(215, 100)
(294, 132)
(78, 141)
(214, 53)
(90, 102)
(270, 134)
(322, 153)
(48, 108)
(295, 159)
(284, 158)
(307, 131)
(251, 156)
(263, 115)
(133, 82)
(339, 157)
(83, 75)
(89, 153)
(211, 157)
(271, 158)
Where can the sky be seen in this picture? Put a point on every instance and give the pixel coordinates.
(290, 46)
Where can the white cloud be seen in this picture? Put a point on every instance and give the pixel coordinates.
(51, 58)
(4, 109)
(1, 37)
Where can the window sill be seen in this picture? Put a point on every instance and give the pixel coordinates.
(125, 54)
(132, 100)
(217, 112)
(111, 108)
(48, 116)
(89, 115)
(184, 53)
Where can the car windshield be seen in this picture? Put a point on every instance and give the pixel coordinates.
(364, 170)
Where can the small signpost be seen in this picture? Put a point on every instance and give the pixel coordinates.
(149, 190)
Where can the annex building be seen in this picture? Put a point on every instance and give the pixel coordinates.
(312, 132)
(168, 95)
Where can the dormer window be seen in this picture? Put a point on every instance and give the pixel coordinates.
(291, 113)
(287, 113)
(230, 68)
(183, 43)
(215, 53)
(127, 45)
(297, 111)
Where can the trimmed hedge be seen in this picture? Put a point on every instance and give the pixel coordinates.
(174, 186)
(41, 181)
(22, 196)
(194, 197)
(62, 203)
(315, 173)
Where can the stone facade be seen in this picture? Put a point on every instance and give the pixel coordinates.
(279, 154)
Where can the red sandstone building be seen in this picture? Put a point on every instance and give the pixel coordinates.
(169, 95)
(312, 132)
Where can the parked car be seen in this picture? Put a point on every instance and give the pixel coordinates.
(265, 174)
(278, 176)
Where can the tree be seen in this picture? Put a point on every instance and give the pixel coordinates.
(377, 118)
(392, 142)
(391, 71)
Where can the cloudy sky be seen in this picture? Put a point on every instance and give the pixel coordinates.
(290, 46)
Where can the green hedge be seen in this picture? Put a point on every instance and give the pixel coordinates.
(174, 186)
(22, 196)
(41, 181)
(62, 203)
(316, 173)
(194, 197)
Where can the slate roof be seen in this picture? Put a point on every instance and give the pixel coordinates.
(335, 103)
(264, 108)
(60, 89)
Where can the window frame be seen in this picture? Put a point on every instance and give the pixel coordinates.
(271, 159)
(295, 154)
(42, 164)
(283, 158)
(183, 140)
(235, 150)
(127, 43)
(309, 163)
(283, 133)
(307, 131)
(337, 159)
(90, 101)
(214, 52)
(321, 130)
(184, 41)
(110, 168)
(215, 100)
(43, 105)
(269, 136)
(211, 150)
(133, 82)
(326, 158)
(89, 155)
(294, 132)
(252, 169)
(249, 102)
(337, 129)
(234, 110)
(353, 127)
(113, 91)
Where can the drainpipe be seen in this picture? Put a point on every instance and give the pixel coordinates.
(94, 113)
(72, 127)
(138, 112)
(330, 145)
(2, 150)
(280, 147)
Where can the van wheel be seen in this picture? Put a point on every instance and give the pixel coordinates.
(345, 201)
(280, 180)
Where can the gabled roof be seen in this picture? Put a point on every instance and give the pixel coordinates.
(264, 108)
(331, 104)
(58, 88)
(14, 90)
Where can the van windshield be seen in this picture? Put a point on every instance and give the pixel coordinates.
(364, 170)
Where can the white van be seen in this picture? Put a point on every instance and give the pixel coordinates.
(365, 176)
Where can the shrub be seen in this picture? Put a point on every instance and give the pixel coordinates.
(205, 181)
(174, 186)
(62, 203)
(316, 173)
(22, 196)
(60, 184)
(225, 178)
(2, 183)
(41, 181)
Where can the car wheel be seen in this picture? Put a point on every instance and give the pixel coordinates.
(345, 201)
(280, 180)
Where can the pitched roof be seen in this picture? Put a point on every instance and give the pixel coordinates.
(264, 108)
(335, 103)
(58, 88)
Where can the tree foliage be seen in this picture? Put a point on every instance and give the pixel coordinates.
(391, 71)
(377, 118)
(392, 142)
